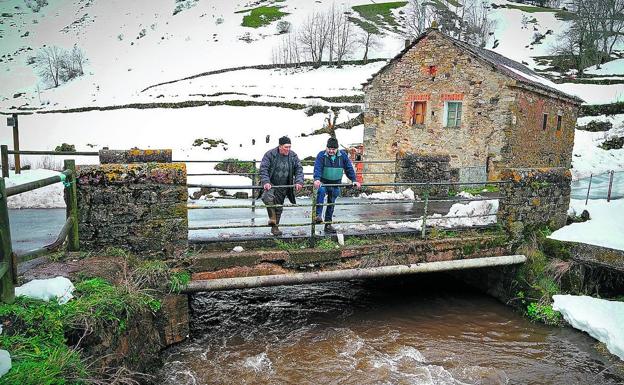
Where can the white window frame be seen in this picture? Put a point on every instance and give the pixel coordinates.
(461, 115)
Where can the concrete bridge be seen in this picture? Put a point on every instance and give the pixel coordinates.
(137, 200)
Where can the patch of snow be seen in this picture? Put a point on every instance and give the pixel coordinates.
(605, 228)
(238, 249)
(599, 318)
(390, 195)
(59, 288)
(46, 197)
(476, 213)
(5, 362)
(614, 67)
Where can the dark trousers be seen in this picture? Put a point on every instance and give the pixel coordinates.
(274, 196)
(332, 194)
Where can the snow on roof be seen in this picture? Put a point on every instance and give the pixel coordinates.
(508, 67)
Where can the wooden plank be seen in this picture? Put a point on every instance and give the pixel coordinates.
(7, 286)
(18, 167)
(4, 158)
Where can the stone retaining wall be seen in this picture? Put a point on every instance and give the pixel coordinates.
(139, 207)
(534, 197)
(423, 168)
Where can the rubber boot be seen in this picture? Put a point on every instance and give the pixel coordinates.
(274, 229)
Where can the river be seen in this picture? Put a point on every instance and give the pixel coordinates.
(428, 329)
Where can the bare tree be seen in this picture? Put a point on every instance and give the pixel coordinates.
(314, 35)
(367, 40)
(419, 16)
(288, 50)
(55, 65)
(478, 25)
(344, 36)
(49, 64)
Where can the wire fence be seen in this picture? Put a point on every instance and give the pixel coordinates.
(608, 185)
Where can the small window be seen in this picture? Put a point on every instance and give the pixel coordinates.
(545, 121)
(558, 122)
(453, 115)
(418, 112)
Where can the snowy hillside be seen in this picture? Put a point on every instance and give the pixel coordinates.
(132, 47)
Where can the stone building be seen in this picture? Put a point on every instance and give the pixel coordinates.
(464, 111)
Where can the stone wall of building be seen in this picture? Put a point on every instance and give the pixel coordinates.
(534, 197)
(528, 143)
(423, 168)
(436, 71)
(139, 207)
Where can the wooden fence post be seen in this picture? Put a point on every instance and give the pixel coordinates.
(73, 243)
(18, 165)
(4, 157)
(7, 284)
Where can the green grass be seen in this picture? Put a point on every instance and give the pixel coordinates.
(35, 331)
(365, 25)
(477, 190)
(327, 244)
(178, 280)
(261, 16)
(379, 14)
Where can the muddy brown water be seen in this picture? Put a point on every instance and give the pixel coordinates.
(426, 329)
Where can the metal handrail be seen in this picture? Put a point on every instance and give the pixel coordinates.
(305, 173)
(306, 162)
(236, 226)
(380, 202)
(397, 184)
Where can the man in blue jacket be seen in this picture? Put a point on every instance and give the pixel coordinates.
(329, 167)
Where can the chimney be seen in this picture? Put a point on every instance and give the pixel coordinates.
(408, 42)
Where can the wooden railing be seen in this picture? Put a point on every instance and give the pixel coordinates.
(8, 259)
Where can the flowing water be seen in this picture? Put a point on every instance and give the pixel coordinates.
(428, 329)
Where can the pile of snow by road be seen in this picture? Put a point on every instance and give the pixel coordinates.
(475, 213)
(390, 195)
(600, 318)
(605, 228)
(46, 197)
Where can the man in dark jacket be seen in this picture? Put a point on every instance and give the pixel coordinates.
(280, 166)
(329, 167)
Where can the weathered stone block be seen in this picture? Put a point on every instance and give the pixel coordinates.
(140, 207)
(134, 156)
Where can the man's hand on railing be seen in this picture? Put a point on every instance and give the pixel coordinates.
(267, 186)
(317, 184)
(357, 184)
(298, 186)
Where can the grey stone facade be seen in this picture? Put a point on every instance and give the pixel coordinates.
(425, 168)
(502, 112)
(534, 197)
(139, 207)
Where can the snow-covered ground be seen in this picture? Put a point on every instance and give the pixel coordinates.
(46, 197)
(587, 157)
(605, 228)
(600, 318)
